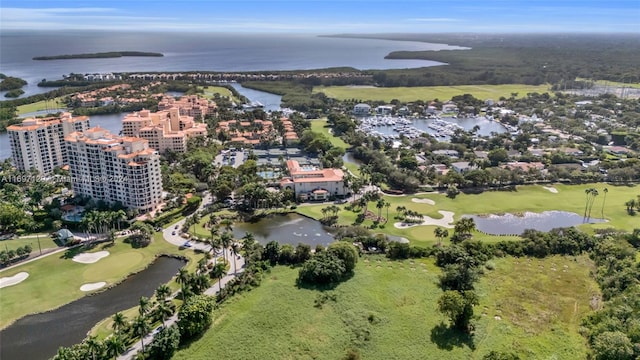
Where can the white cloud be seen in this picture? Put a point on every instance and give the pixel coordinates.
(433, 20)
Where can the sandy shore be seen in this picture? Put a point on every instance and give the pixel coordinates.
(92, 286)
(550, 189)
(423, 201)
(13, 280)
(90, 258)
(446, 221)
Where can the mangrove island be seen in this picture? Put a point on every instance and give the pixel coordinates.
(101, 55)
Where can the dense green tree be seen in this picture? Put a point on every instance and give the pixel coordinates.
(195, 316)
(164, 344)
(322, 268)
(613, 345)
(345, 252)
(458, 306)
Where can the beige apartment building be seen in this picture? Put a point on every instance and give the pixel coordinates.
(39, 143)
(165, 130)
(112, 168)
(190, 105)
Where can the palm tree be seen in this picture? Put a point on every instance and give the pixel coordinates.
(592, 193)
(438, 234)
(465, 226)
(387, 205)
(202, 265)
(164, 310)
(162, 293)
(119, 322)
(93, 346)
(143, 305)
(218, 272)
(235, 250)
(380, 204)
(114, 346)
(183, 280)
(226, 240)
(141, 327)
(227, 223)
(605, 191)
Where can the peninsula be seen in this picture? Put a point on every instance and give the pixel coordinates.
(101, 55)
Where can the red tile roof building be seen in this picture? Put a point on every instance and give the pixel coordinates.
(313, 183)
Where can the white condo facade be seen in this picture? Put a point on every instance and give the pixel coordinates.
(39, 143)
(115, 169)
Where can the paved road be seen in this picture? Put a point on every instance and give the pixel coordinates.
(213, 290)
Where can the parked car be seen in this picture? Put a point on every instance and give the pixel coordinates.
(177, 226)
(173, 233)
(187, 244)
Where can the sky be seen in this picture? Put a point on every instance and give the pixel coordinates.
(325, 16)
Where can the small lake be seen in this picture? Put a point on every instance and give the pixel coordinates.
(286, 229)
(39, 336)
(510, 224)
(270, 101)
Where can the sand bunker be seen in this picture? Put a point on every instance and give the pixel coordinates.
(551, 189)
(423, 201)
(92, 286)
(90, 258)
(13, 280)
(446, 221)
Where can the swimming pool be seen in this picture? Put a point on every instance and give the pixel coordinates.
(269, 174)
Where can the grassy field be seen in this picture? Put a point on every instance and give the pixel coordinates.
(209, 91)
(425, 93)
(56, 103)
(45, 289)
(388, 311)
(320, 125)
(533, 198)
(46, 242)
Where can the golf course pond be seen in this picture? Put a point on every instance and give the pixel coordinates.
(288, 228)
(39, 336)
(516, 224)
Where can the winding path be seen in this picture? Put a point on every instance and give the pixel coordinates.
(213, 290)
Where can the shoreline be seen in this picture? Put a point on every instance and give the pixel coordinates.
(105, 288)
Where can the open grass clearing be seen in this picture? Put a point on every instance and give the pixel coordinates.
(55, 280)
(210, 91)
(407, 94)
(56, 103)
(533, 198)
(388, 310)
(46, 242)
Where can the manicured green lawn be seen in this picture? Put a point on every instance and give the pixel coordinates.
(320, 125)
(56, 103)
(533, 198)
(209, 91)
(388, 311)
(46, 242)
(428, 92)
(54, 281)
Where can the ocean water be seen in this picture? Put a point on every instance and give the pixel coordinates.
(194, 51)
(191, 51)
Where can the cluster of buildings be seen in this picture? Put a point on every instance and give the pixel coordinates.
(164, 130)
(106, 166)
(251, 133)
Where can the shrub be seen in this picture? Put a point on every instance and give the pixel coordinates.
(323, 268)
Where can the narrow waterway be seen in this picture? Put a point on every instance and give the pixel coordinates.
(39, 336)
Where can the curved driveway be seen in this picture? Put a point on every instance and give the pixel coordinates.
(213, 290)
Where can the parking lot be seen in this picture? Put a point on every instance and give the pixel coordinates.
(228, 157)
